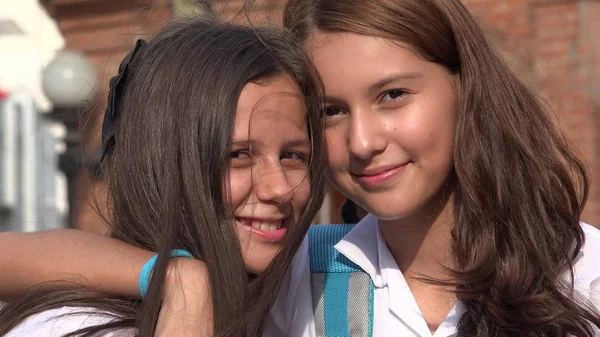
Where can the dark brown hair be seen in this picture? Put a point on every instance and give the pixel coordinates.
(520, 187)
(166, 173)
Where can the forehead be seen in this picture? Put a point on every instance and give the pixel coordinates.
(343, 59)
(270, 105)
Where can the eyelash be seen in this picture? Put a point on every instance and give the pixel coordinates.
(233, 153)
(325, 112)
(299, 156)
(401, 94)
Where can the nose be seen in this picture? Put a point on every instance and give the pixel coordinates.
(365, 138)
(272, 185)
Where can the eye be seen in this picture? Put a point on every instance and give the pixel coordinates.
(294, 155)
(393, 95)
(240, 159)
(240, 155)
(295, 158)
(332, 111)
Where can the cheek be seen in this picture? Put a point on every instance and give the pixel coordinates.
(336, 146)
(240, 185)
(418, 135)
(427, 128)
(301, 182)
(440, 132)
(430, 138)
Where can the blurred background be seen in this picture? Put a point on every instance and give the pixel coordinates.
(56, 57)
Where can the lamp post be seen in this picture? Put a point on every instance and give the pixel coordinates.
(69, 81)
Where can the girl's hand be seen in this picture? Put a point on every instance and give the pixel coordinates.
(187, 304)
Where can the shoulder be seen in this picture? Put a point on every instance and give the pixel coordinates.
(60, 321)
(291, 314)
(591, 232)
(298, 274)
(586, 268)
(590, 251)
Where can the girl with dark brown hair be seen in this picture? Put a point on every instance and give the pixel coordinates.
(474, 196)
(213, 145)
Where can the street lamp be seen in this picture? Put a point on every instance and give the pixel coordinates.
(69, 82)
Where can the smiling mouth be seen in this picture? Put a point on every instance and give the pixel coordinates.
(373, 172)
(271, 230)
(262, 224)
(380, 177)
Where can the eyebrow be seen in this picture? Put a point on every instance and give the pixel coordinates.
(256, 143)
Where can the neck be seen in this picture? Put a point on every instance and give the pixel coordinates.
(421, 243)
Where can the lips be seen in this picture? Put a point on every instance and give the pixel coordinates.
(369, 172)
(272, 230)
(379, 176)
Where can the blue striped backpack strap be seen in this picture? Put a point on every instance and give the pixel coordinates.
(342, 292)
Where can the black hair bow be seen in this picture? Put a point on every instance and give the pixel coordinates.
(116, 85)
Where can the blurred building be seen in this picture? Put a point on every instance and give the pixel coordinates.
(29, 39)
(552, 44)
(32, 188)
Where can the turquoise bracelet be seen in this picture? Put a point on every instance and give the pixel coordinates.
(144, 278)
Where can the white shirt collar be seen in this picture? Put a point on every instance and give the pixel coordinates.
(361, 246)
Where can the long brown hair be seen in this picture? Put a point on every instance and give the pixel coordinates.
(167, 170)
(520, 187)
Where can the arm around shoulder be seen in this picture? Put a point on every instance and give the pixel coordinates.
(68, 255)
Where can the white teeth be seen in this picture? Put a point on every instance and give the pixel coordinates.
(265, 226)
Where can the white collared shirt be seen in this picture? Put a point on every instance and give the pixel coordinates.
(396, 312)
(61, 321)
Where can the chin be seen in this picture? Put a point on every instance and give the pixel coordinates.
(386, 213)
(386, 216)
(256, 268)
(257, 265)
